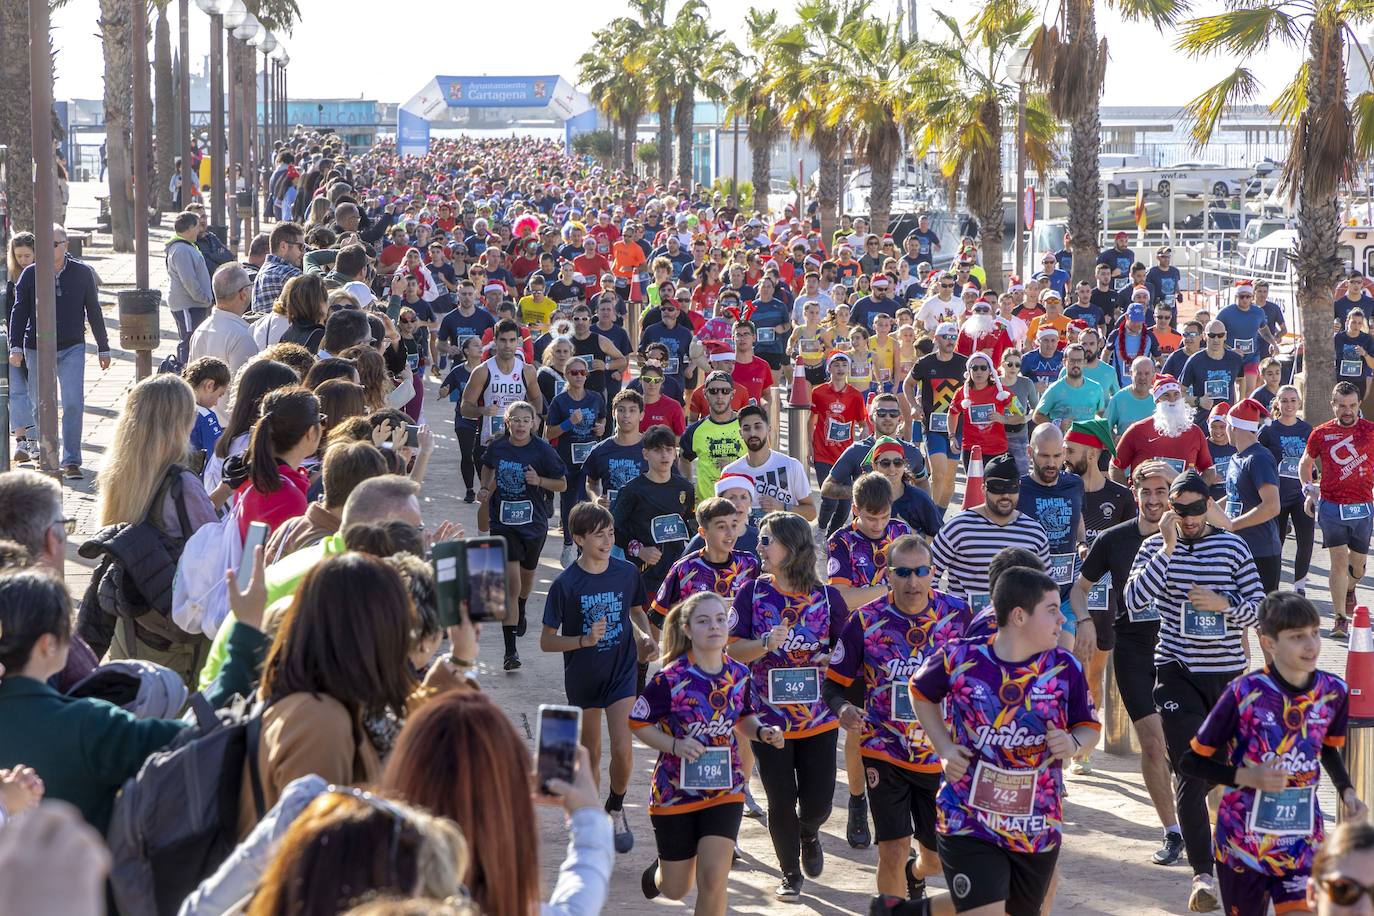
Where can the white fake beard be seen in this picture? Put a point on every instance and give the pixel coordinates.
(1172, 418)
(975, 326)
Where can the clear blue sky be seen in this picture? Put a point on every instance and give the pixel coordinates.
(387, 51)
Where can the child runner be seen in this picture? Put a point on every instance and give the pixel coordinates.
(594, 615)
(618, 460)
(209, 378)
(697, 711)
(576, 422)
(739, 490)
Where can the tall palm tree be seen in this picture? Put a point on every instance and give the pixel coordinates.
(15, 129)
(961, 95)
(870, 94)
(649, 61)
(612, 88)
(117, 39)
(1331, 136)
(749, 98)
(701, 62)
(166, 147)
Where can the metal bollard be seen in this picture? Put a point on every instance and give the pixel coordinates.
(138, 326)
(774, 407)
(1359, 758)
(1118, 734)
(798, 442)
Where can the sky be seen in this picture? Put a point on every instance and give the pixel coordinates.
(388, 51)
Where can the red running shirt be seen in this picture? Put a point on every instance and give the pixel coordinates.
(1346, 454)
(839, 421)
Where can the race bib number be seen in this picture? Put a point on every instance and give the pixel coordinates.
(611, 497)
(1202, 624)
(672, 367)
(1234, 508)
(709, 772)
(1288, 467)
(1351, 368)
(580, 451)
(1061, 568)
(496, 425)
(1148, 614)
(848, 280)
(884, 375)
(810, 346)
(1178, 464)
(794, 686)
(586, 361)
(839, 432)
(939, 423)
(1217, 388)
(1287, 812)
(1120, 283)
(518, 512)
(980, 414)
(767, 335)
(1221, 466)
(1099, 593)
(1353, 512)
(666, 528)
(1010, 793)
(902, 710)
(978, 602)
(559, 386)
(1245, 347)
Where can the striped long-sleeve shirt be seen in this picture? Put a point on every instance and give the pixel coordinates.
(968, 542)
(1160, 582)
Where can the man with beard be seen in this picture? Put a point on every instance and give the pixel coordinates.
(982, 333)
(1344, 446)
(1072, 397)
(941, 307)
(1200, 582)
(939, 377)
(1131, 338)
(1054, 498)
(968, 542)
(1252, 491)
(1211, 374)
(1191, 339)
(1095, 368)
(1169, 435)
(1099, 595)
(877, 302)
(781, 483)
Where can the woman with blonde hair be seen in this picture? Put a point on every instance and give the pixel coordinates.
(318, 213)
(144, 478)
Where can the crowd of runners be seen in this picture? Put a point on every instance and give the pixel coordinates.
(615, 346)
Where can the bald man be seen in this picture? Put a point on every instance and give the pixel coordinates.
(1054, 498)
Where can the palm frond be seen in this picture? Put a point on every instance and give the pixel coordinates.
(1291, 101)
(1240, 31)
(1362, 115)
(1203, 113)
(1159, 13)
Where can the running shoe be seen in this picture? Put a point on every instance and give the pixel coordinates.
(751, 807)
(790, 888)
(512, 661)
(469, 497)
(915, 887)
(21, 451)
(857, 831)
(1082, 766)
(1341, 628)
(1350, 601)
(620, 827)
(72, 472)
(1171, 851)
(1203, 899)
(647, 883)
(812, 856)
(569, 555)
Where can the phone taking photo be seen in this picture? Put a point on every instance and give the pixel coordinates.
(412, 433)
(556, 740)
(472, 571)
(256, 537)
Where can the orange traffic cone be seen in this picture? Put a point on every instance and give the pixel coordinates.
(636, 289)
(1359, 666)
(800, 395)
(973, 483)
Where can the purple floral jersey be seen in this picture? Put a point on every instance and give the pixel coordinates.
(687, 702)
(983, 625)
(1011, 795)
(885, 646)
(787, 681)
(858, 560)
(1259, 719)
(694, 573)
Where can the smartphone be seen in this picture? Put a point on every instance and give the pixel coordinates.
(555, 742)
(412, 433)
(257, 537)
(445, 557)
(484, 577)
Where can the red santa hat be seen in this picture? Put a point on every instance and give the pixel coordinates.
(1245, 286)
(1218, 413)
(1163, 385)
(1249, 415)
(734, 481)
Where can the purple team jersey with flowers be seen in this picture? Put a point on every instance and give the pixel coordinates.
(1258, 719)
(858, 560)
(799, 665)
(1011, 794)
(690, 703)
(694, 573)
(885, 646)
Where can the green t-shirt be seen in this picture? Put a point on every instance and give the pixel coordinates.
(1125, 408)
(1062, 401)
(712, 446)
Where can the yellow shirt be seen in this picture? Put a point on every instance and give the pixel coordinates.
(536, 313)
(884, 358)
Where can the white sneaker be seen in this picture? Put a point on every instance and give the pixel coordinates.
(1203, 899)
(1082, 766)
(569, 555)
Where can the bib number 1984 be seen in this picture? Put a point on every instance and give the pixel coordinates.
(710, 771)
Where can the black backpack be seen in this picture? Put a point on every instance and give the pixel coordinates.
(176, 821)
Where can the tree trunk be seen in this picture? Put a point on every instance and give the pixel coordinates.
(116, 38)
(830, 152)
(1317, 266)
(985, 201)
(880, 192)
(1085, 143)
(15, 130)
(627, 155)
(164, 110)
(761, 167)
(682, 121)
(665, 140)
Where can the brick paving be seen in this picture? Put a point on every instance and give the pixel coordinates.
(1110, 826)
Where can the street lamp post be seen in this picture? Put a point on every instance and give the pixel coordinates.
(44, 374)
(250, 32)
(188, 169)
(267, 44)
(1019, 70)
(216, 9)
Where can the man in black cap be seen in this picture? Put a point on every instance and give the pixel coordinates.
(1200, 581)
(968, 542)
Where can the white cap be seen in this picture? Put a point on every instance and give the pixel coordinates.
(946, 328)
(361, 291)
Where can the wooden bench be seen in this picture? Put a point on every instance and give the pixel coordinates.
(76, 242)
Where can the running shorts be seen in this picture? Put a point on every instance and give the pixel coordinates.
(941, 444)
(979, 873)
(677, 835)
(1246, 891)
(1337, 532)
(521, 548)
(902, 801)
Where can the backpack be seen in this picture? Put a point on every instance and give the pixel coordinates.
(176, 820)
(200, 597)
(146, 689)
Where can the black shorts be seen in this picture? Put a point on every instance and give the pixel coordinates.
(602, 692)
(521, 548)
(902, 801)
(775, 361)
(1104, 630)
(1134, 661)
(979, 873)
(677, 835)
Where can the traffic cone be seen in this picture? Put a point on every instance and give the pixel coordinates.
(973, 483)
(800, 395)
(636, 289)
(1359, 666)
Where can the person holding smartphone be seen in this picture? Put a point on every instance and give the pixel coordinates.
(694, 712)
(594, 616)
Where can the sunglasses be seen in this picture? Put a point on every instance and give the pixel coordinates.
(650, 379)
(906, 572)
(576, 372)
(891, 462)
(725, 392)
(887, 413)
(1345, 891)
(978, 369)
(765, 540)
(1191, 334)
(949, 336)
(1189, 510)
(946, 286)
(1011, 364)
(1003, 488)
(1217, 336)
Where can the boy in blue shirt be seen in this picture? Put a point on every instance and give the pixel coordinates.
(209, 379)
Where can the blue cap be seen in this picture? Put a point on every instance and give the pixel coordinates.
(1136, 312)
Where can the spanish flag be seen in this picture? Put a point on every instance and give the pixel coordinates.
(1140, 217)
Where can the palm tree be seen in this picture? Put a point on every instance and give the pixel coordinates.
(164, 108)
(1331, 136)
(870, 94)
(117, 39)
(750, 100)
(700, 62)
(612, 88)
(961, 94)
(15, 129)
(649, 63)
(1070, 64)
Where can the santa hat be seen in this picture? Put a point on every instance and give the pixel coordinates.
(1249, 415)
(837, 354)
(734, 481)
(1014, 284)
(1002, 393)
(1163, 385)
(1245, 286)
(1219, 411)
